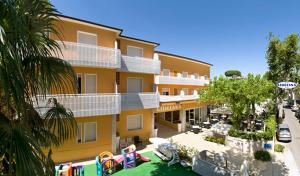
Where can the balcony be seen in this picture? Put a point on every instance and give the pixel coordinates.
(170, 98)
(83, 105)
(145, 100)
(140, 65)
(180, 81)
(89, 56)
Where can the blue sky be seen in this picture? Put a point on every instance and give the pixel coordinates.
(230, 34)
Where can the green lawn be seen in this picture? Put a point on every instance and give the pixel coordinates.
(155, 167)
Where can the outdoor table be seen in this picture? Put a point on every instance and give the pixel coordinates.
(206, 124)
(196, 129)
(214, 121)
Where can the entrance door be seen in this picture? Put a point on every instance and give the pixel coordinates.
(190, 117)
(134, 85)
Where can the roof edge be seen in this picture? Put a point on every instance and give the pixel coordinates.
(183, 57)
(90, 22)
(140, 40)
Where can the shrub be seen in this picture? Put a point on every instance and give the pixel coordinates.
(278, 148)
(266, 135)
(218, 140)
(262, 155)
(186, 153)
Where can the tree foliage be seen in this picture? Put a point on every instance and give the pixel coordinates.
(28, 68)
(240, 94)
(283, 60)
(232, 73)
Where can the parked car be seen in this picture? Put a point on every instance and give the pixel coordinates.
(295, 108)
(297, 114)
(283, 133)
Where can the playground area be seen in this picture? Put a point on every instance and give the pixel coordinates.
(155, 166)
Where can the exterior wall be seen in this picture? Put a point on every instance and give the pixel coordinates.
(148, 81)
(71, 150)
(106, 78)
(179, 65)
(143, 133)
(69, 30)
(147, 49)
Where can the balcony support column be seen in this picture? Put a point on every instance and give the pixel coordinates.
(114, 131)
(182, 119)
(152, 124)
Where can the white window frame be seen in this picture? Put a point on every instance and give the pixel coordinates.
(136, 78)
(128, 46)
(81, 134)
(163, 90)
(85, 124)
(187, 74)
(86, 84)
(142, 122)
(87, 33)
(164, 71)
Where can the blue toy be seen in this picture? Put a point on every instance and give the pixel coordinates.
(129, 155)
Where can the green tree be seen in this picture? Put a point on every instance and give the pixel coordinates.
(232, 73)
(28, 69)
(240, 95)
(283, 60)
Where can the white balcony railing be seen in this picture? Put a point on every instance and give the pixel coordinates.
(139, 100)
(140, 65)
(170, 98)
(180, 81)
(83, 105)
(89, 56)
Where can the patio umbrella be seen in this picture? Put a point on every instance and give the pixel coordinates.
(221, 110)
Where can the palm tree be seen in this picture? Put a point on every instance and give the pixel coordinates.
(28, 68)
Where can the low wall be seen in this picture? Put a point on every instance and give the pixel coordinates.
(247, 146)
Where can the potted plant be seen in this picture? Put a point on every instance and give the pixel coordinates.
(155, 131)
(262, 157)
(117, 139)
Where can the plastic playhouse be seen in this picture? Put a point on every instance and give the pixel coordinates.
(106, 162)
(68, 169)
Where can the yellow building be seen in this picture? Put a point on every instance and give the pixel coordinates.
(124, 87)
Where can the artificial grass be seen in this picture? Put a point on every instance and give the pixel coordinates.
(155, 167)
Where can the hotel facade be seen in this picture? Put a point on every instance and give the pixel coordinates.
(125, 88)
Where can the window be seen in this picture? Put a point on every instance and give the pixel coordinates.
(86, 38)
(196, 75)
(166, 91)
(185, 91)
(205, 77)
(168, 116)
(135, 51)
(90, 131)
(79, 133)
(79, 82)
(134, 85)
(185, 74)
(176, 117)
(166, 72)
(134, 122)
(90, 83)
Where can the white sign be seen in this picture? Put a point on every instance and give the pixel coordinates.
(287, 85)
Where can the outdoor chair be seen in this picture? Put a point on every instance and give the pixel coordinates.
(137, 140)
(123, 143)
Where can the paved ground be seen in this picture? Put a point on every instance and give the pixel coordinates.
(294, 125)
